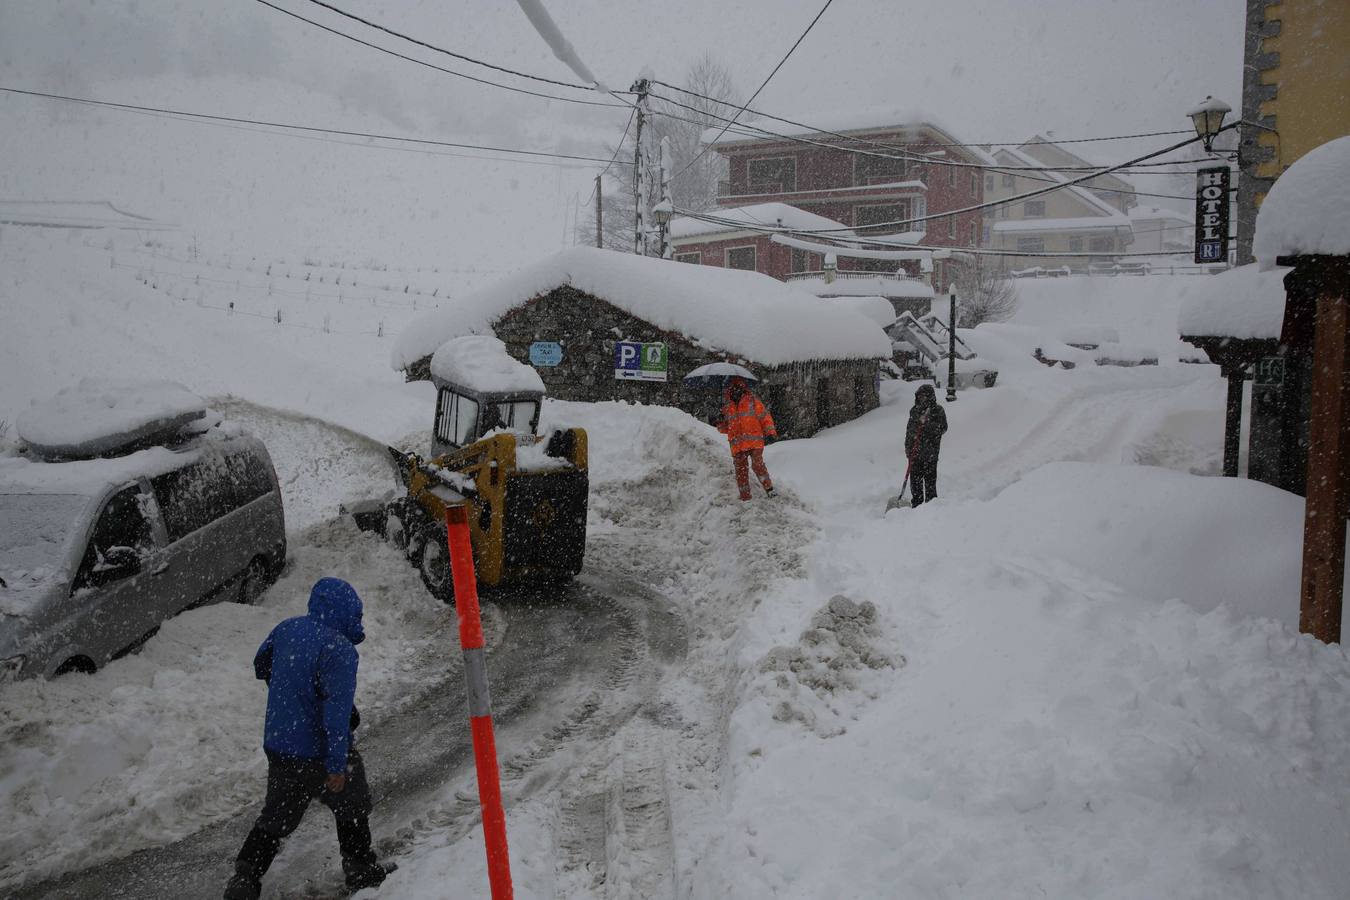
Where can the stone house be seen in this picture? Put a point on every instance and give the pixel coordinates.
(818, 362)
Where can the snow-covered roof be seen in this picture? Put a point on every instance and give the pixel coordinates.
(757, 215)
(1308, 209)
(99, 415)
(1082, 193)
(850, 122)
(1076, 223)
(481, 362)
(72, 214)
(1160, 212)
(879, 286)
(1241, 303)
(878, 309)
(741, 313)
(85, 477)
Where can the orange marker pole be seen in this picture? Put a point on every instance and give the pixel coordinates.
(480, 703)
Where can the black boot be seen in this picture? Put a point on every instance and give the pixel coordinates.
(244, 885)
(259, 849)
(358, 859)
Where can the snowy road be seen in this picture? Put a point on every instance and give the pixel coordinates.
(568, 671)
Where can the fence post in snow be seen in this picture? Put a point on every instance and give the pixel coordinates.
(380, 331)
(278, 317)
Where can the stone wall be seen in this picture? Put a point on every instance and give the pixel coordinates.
(803, 397)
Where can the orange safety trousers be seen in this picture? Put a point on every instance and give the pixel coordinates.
(743, 462)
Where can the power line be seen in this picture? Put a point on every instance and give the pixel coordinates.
(617, 150)
(893, 153)
(1114, 137)
(732, 121)
(422, 62)
(305, 128)
(451, 53)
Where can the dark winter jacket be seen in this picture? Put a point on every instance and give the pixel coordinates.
(309, 663)
(927, 425)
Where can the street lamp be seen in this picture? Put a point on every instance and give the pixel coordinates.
(1208, 117)
(661, 214)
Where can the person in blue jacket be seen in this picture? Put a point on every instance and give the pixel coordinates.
(309, 664)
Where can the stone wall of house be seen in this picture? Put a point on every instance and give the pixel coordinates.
(803, 397)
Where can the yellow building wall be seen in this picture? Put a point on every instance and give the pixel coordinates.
(1313, 77)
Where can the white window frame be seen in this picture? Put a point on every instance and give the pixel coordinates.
(750, 181)
(726, 257)
(859, 182)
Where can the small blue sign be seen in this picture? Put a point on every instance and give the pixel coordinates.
(545, 353)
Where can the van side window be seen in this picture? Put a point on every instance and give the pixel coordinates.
(193, 497)
(249, 478)
(121, 524)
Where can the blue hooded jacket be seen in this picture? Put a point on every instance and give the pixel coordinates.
(309, 663)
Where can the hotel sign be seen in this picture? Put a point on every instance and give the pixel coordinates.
(1211, 214)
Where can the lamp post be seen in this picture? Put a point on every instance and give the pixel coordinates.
(1208, 118)
(951, 349)
(662, 211)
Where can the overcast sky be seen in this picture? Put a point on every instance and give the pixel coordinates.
(988, 70)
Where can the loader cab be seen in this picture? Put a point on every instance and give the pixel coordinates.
(464, 415)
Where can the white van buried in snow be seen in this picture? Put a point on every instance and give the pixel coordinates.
(141, 507)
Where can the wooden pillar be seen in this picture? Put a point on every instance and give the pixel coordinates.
(1328, 488)
(1232, 425)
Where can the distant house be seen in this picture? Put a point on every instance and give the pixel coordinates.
(738, 241)
(1157, 229)
(1090, 218)
(888, 190)
(568, 313)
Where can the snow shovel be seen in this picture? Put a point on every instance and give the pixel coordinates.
(899, 499)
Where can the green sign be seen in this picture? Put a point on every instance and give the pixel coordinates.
(1269, 372)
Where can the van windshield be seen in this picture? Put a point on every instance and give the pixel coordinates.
(34, 532)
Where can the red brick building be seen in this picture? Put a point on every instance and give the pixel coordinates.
(851, 190)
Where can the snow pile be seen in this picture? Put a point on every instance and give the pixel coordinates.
(1244, 303)
(742, 313)
(1117, 354)
(100, 415)
(843, 638)
(759, 214)
(1088, 334)
(480, 362)
(1012, 347)
(1308, 209)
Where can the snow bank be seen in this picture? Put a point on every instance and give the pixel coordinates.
(1308, 209)
(99, 415)
(742, 313)
(1242, 303)
(481, 362)
(771, 214)
(880, 286)
(878, 309)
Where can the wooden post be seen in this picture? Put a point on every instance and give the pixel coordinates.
(599, 216)
(1328, 450)
(1232, 426)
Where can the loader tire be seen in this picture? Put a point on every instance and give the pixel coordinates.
(433, 561)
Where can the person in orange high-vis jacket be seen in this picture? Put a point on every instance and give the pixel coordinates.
(746, 423)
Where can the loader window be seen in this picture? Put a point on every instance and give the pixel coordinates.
(456, 418)
(518, 415)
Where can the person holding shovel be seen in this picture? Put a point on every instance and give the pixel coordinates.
(923, 440)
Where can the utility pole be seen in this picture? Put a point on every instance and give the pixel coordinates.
(951, 349)
(640, 87)
(665, 209)
(599, 216)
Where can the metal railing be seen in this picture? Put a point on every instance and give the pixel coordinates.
(847, 274)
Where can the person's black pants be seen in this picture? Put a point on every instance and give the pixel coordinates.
(292, 782)
(923, 479)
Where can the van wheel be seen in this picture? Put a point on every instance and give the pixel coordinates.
(434, 562)
(253, 582)
(82, 664)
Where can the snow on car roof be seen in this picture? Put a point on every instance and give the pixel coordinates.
(1241, 303)
(1308, 209)
(481, 362)
(770, 214)
(99, 415)
(87, 477)
(742, 313)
